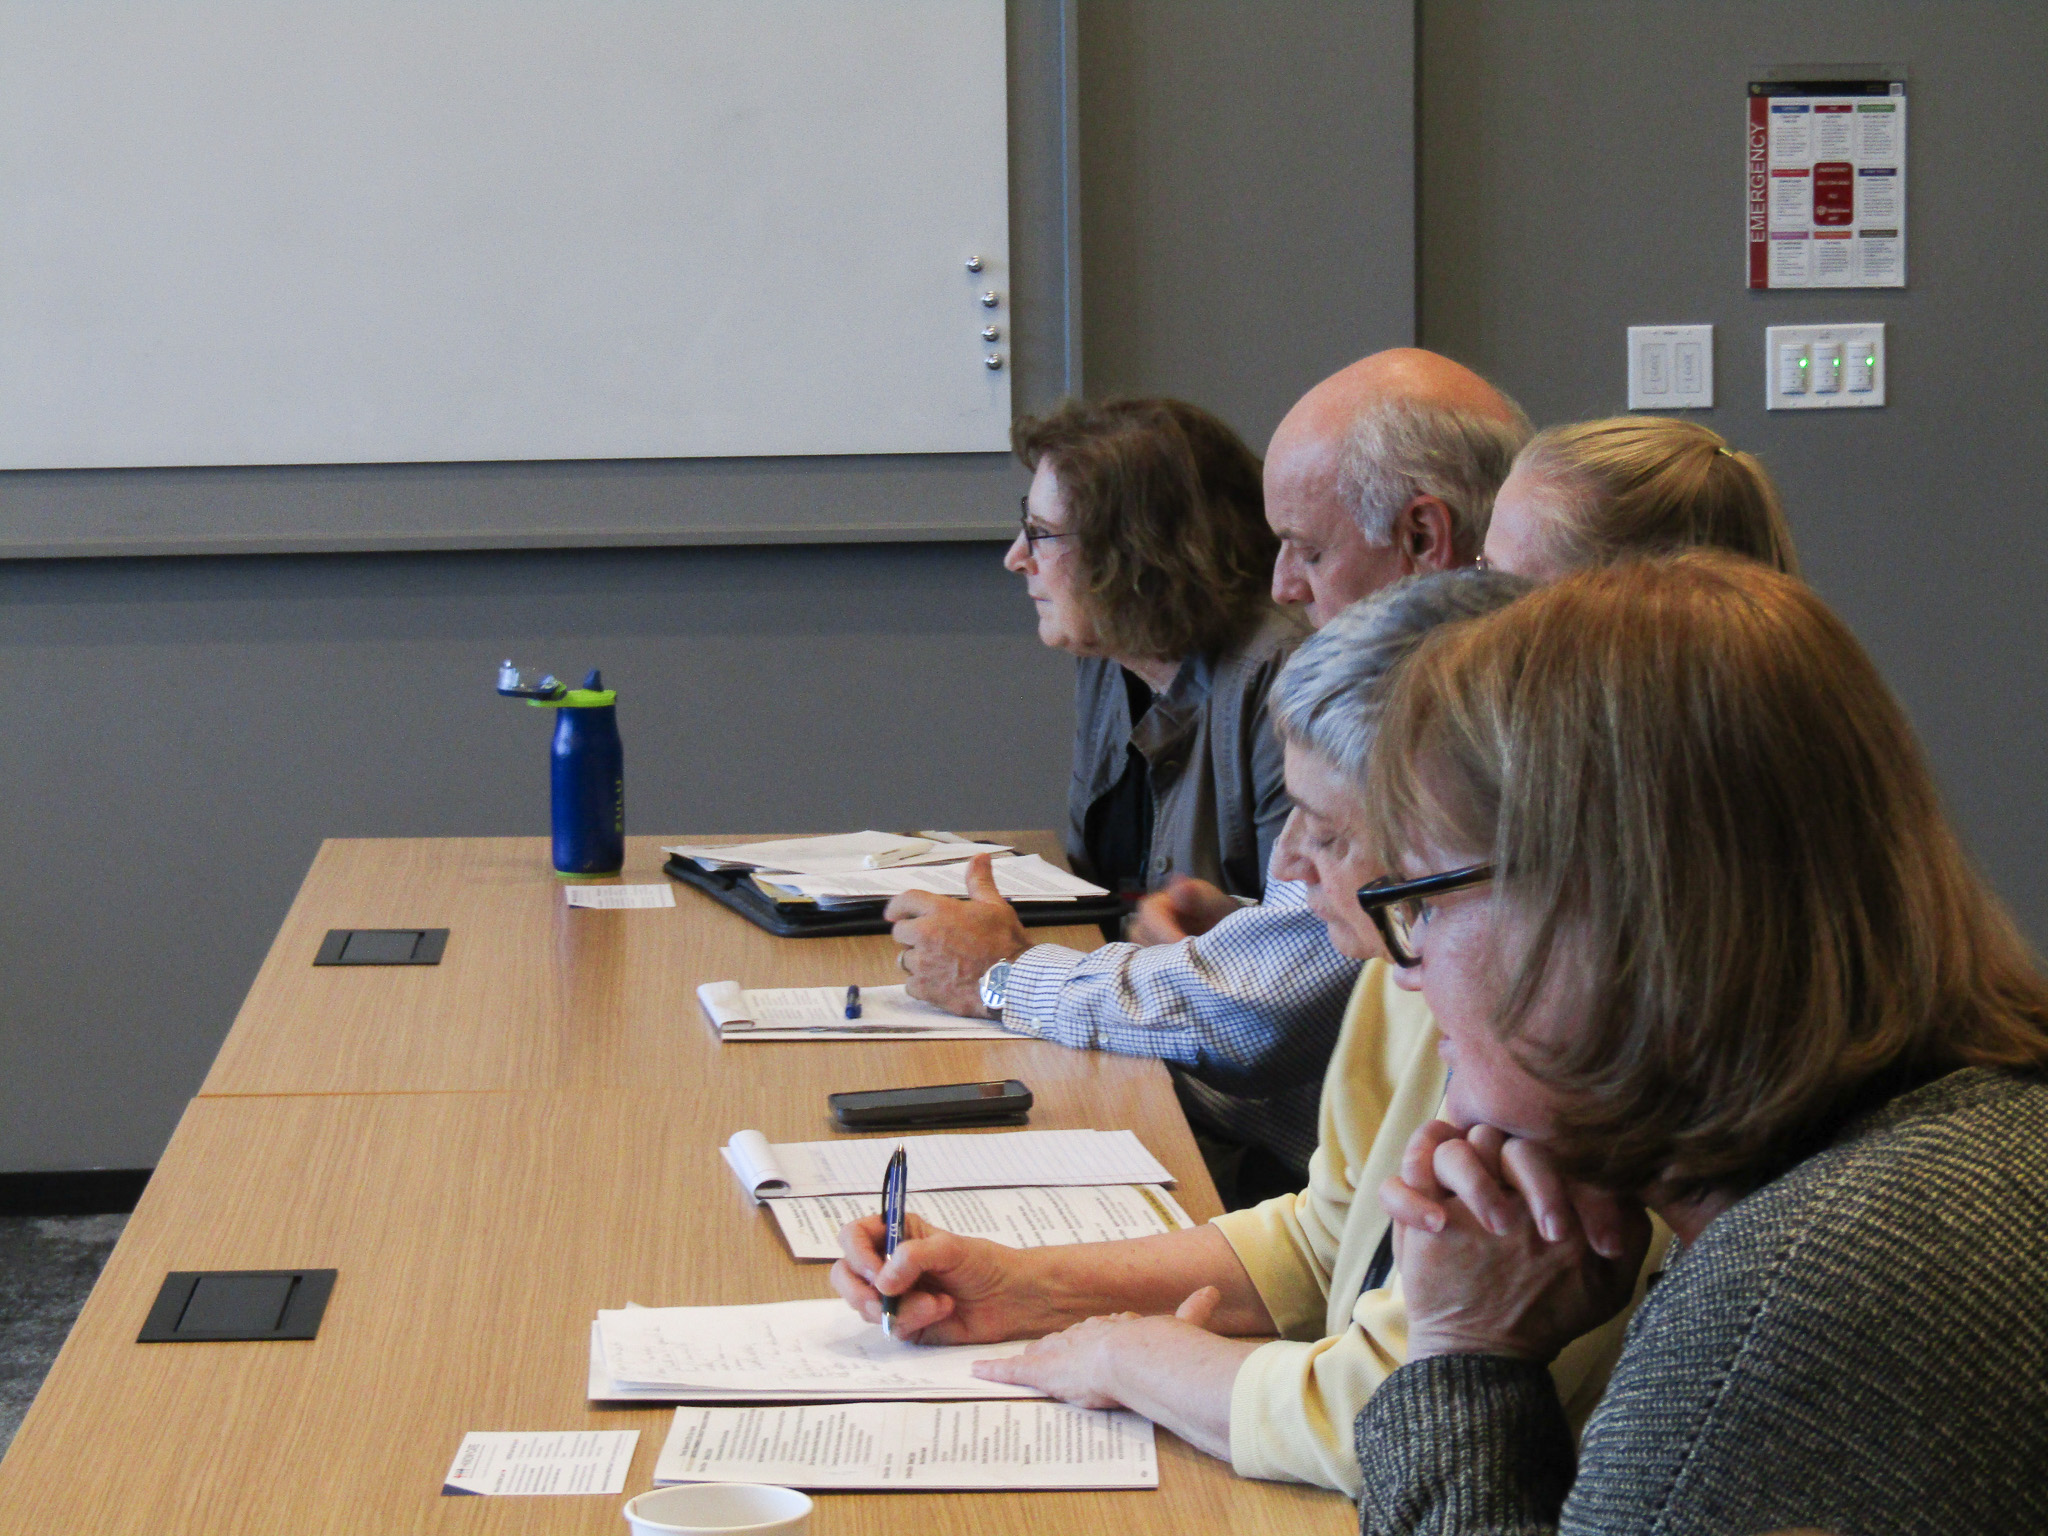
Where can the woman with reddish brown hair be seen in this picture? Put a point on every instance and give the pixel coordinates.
(1677, 887)
(1145, 550)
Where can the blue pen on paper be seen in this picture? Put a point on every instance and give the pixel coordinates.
(853, 1002)
(895, 1204)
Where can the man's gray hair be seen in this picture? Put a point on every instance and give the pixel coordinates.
(1404, 448)
(1328, 696)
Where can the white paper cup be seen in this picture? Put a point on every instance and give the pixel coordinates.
(719, 1509)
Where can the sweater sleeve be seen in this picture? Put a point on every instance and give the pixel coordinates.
(1464, 1443)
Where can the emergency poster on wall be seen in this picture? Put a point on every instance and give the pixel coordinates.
(1827, 184)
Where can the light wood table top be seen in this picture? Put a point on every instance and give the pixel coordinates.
(489, 1151)
(531, 993)
(476, 1235)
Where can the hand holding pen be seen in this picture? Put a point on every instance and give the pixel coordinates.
(895, 1206)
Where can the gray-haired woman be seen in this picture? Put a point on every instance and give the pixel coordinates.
(1295, 1265)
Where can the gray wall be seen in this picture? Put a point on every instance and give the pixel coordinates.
(1582, 171)
(185, 730)
(1247, 197)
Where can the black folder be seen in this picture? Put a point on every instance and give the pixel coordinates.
(735, 888)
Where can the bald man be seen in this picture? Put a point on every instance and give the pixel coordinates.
(1385, 469)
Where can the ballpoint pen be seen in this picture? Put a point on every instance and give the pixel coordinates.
(853, 1002)
(895, 1197)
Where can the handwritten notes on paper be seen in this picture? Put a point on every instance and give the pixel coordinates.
(817, 1349)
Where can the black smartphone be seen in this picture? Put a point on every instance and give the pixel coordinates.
(904, 1109)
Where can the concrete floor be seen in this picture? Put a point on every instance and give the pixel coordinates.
(47, 1268)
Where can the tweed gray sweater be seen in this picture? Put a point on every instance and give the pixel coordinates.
(1860, 1346)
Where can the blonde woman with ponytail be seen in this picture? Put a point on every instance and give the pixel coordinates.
(1589, 493)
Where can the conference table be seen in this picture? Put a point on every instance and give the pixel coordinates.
(488, 1150)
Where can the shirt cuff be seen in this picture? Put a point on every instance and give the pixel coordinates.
(1031, 1002)
(1465, 1442)
(1278, 1431)
(1269, 1243)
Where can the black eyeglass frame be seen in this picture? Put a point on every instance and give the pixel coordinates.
(1383, 894)
(1034, 537)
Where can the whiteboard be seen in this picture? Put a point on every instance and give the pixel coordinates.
(364, 231)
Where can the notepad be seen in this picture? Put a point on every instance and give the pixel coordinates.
(819, 1013)
(1016, 1218)
(985, 1445)
(821, 1350)
(999, 1160)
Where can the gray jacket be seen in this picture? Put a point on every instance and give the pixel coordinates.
(1861, 1347)
(1218, 798)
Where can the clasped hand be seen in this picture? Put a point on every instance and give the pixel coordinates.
(1499, 1253)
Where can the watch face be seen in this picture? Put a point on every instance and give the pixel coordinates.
(993, 984)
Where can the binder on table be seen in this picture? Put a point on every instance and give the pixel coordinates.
(804, 919)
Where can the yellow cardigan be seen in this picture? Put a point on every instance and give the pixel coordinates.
(1295, 1400)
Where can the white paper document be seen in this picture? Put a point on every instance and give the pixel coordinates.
(819, 1013)
(618, 897)
(1025, 877)
(844, 853)
(911, 1445)
(995, 1160)
(565, 1461)
(1016, 1218)
(814, 1349)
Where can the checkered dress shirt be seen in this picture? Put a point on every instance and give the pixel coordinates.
(1249, 1012)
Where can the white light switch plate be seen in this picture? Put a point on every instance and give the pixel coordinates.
(1670, 367)
(1810, 360)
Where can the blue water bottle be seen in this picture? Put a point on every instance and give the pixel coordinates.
(588, 772)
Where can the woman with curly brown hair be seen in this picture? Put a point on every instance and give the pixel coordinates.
(1144, 546)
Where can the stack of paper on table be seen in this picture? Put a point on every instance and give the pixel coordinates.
(1016, 1218)
(912, 1446)
(819, 1013)
(784, 1351)
(845, 853)
(998, 1160)
(1025, 877)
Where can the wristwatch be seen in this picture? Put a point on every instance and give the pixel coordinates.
(995, 984)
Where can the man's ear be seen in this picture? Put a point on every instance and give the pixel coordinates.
(1423, 530)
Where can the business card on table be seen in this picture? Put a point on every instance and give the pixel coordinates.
(565, 1461)
(614, 897)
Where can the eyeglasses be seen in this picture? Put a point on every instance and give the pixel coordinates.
(1396, 906)
(1033, 534)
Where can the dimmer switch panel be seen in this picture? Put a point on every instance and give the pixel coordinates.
(1823, 367)
(1670, 367)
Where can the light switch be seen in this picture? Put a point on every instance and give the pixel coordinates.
(1827, 367)
(1691, 368)
(1670, 367)
(1823, 367)
(1657, 369)
(1791, 369)
(1860, 370)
